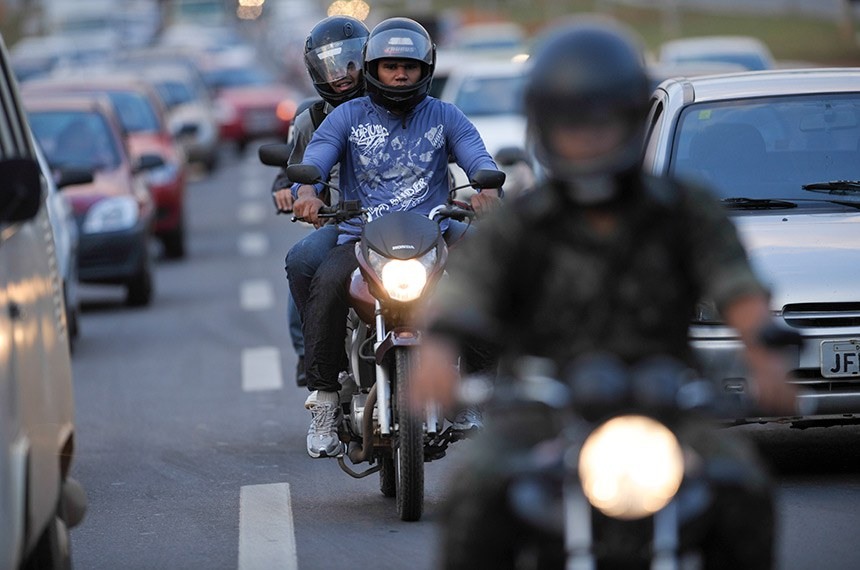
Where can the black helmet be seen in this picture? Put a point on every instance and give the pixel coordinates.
(589, 73)
(399, 38)
(335, 44)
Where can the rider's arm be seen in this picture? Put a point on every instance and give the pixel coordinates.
(328, 143)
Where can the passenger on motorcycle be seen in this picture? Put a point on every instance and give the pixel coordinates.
(333, 58)
(393, 146)
(600, 257)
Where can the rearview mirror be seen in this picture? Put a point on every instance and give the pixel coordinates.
(20, 189)
(304, 173)
(275, 154)
(149, 162)
(72, 176)
(486, 178)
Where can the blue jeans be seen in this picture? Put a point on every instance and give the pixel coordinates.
(301, 263)
(294, 319)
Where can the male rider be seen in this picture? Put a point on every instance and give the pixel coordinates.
(393, 146)
(600, 257)
(333, 58)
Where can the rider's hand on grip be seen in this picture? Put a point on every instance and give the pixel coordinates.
(486, 201)
(283, 200)
(307, 206)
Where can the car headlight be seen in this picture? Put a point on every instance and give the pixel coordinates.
(631, 467)
(162, 175)
(110, 215)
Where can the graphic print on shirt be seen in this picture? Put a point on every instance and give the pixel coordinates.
(402, 170)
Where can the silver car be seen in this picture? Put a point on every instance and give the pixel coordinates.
(782, 151)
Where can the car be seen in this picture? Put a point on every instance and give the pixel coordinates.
(39, 501)
(777, 147)
(81, 136)
(251, 104)
(190, 112)
(144, 120)
(749, 52)
(490, 94)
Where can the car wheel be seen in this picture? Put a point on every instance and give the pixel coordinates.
(53, 551)
(139, 290)
(174, 243)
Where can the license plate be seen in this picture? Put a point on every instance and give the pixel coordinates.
(840, 358)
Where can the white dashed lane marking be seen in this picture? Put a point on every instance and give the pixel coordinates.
(261, 369)
(267, 537)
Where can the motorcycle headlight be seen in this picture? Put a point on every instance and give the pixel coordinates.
(403, 279)
(110, 215)
(631, 467)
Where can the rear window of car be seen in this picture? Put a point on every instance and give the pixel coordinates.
(769, 147)
(75, 139)
(135, 111)
(500, 95)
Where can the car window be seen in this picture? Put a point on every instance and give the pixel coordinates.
(174, 93)
(491, 95)
(769, 147)
(237, 77)
(135, 111)
(74, 138)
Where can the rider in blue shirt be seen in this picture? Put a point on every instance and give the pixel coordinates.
(393, 146)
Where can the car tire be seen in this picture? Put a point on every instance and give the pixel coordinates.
(53, 550)
(174, 243)
(140, 289)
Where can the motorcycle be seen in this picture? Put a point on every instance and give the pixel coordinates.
(622, 482)
(401, 257)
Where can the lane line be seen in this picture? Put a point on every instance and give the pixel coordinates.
(256, 295)
(251, 213)
(253, 244)
(261, 369)
(267, 536)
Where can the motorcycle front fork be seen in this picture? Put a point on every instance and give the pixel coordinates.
(579, 537)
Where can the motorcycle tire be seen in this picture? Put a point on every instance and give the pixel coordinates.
(409, 445)
(387, 477)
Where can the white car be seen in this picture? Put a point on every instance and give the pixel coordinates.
(490, 94)
(751, 53)
(780, 148)
(39, 502)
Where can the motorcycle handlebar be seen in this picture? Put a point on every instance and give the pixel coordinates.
(342, 212)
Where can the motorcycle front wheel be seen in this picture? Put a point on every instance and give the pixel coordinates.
(409, 445)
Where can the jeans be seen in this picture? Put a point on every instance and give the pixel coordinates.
(294, 319)
(302, 262)
(324, 316)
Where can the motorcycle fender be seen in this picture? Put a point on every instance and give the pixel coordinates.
(400, 336)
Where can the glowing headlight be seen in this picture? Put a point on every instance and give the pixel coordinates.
(110, 215)
(631, 467)
(404, 279)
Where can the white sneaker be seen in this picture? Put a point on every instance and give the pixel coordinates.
(326, 417)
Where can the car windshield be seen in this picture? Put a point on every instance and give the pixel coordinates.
(174, 93)
(135, 111)
(500, 95)
(77, 139)
(237, 77)
(769, 147)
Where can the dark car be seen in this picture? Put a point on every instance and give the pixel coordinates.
(82, 141)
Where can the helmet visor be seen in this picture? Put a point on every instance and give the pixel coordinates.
(399, 44)
(332, 62)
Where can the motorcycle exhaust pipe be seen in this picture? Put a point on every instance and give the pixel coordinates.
(357, 455)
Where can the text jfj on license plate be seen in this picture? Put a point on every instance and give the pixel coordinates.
(840, 358)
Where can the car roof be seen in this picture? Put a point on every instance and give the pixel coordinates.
(752, 84)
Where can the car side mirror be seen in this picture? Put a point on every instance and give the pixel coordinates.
(511, 155)
(20, 189)
(186, 130)
(148, 162)
(73, 176)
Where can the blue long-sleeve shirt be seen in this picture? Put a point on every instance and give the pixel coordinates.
(391, 162)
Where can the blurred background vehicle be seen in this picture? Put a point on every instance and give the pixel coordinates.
(142, 115)
(750, 53)
(780, 149)
(489, 93)
(251, 103)
(82, 140)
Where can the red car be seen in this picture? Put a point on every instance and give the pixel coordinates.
(150, 144)
(251, 104)
(83, 143)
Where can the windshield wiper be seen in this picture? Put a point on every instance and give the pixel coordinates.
(834, 187)
(742, 203)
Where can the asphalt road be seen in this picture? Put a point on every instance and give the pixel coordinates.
(190, 438)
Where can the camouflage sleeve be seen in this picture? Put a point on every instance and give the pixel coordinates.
(469, 303)
(719, 260)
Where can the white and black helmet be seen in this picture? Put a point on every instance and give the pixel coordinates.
(399, 38)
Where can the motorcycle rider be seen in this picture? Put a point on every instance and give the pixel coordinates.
(393, 146)
(599, 257)
(333, 59)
